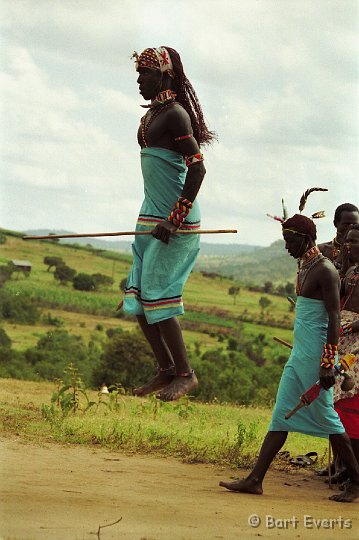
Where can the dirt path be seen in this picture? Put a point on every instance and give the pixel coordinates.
(66, 492)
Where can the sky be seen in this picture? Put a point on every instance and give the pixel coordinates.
(277, 81)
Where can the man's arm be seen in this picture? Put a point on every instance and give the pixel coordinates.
(329, 285)
(180, 129)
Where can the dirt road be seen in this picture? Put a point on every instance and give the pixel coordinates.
(63, 492)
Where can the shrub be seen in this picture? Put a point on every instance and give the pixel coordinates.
(101, 280)
(84, 282)
(126, 359)
(54, 351)
(64, 273)
(53, 262)
(5, 341)
(19, 309)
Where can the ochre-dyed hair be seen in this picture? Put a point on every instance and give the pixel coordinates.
(187, 97)
(301, 225)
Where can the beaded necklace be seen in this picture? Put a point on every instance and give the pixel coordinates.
(163, 100)
(305, 265)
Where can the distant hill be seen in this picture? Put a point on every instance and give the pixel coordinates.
(248, 264)
(257, 266)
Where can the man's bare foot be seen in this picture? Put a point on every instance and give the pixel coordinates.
(161, 380)
(350, 493)
(180, 386)
(247, 485)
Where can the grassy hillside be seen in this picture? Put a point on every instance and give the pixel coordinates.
(209, 307)
(263, 264)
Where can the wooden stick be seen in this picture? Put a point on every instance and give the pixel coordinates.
(280, 340)
(125, 233)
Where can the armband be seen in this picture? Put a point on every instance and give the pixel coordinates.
(180, 211)
(183, 137)
(329, 355)
(191, 160)
(346, 329)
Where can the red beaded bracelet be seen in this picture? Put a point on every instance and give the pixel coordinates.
(329, 355)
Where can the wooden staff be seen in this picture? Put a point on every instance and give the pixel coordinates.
(280, 340)
(124, 233)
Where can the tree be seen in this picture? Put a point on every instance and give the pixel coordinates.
(234, 291)
(84, 282)
(52, 261)
(64, 273)
(289, 288)
(20, 309)
(5, 341)
(268, 287)
(101, 280)
(264, 303)
(126, 359)
(54, 352)
(6, 272)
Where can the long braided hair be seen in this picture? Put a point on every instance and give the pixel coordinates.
(187, 97)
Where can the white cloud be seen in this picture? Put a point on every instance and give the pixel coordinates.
(277, 80)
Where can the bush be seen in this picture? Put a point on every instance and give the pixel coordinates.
(55, 351)
(84, 282)
(20, 309)
(64, 273)
(53, 262)
(5, 341)
(102, 281)
(126, 359)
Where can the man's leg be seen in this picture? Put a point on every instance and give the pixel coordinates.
(185, 379)
(163, 356)
(355, 446)
(272, 443)
(343, 447)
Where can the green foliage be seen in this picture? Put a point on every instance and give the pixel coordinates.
(6, 272)
(52, 321)
(18, 308)
(64, 273)
(101, 280)
(126, 359)
(234, 291)
(2, 238)
(264, 303)
(84, 282)
(53, 262)
(55, 351)
(5, 341)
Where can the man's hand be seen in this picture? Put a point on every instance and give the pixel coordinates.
(163, 231)
(327, 377)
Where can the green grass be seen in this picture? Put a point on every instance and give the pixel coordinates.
(200, 292)
(209, 433)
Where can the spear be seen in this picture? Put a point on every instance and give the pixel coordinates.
(125, 233)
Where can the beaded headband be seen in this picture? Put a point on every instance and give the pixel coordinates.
(154, 58)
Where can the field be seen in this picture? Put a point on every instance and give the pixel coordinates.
(209, 307)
